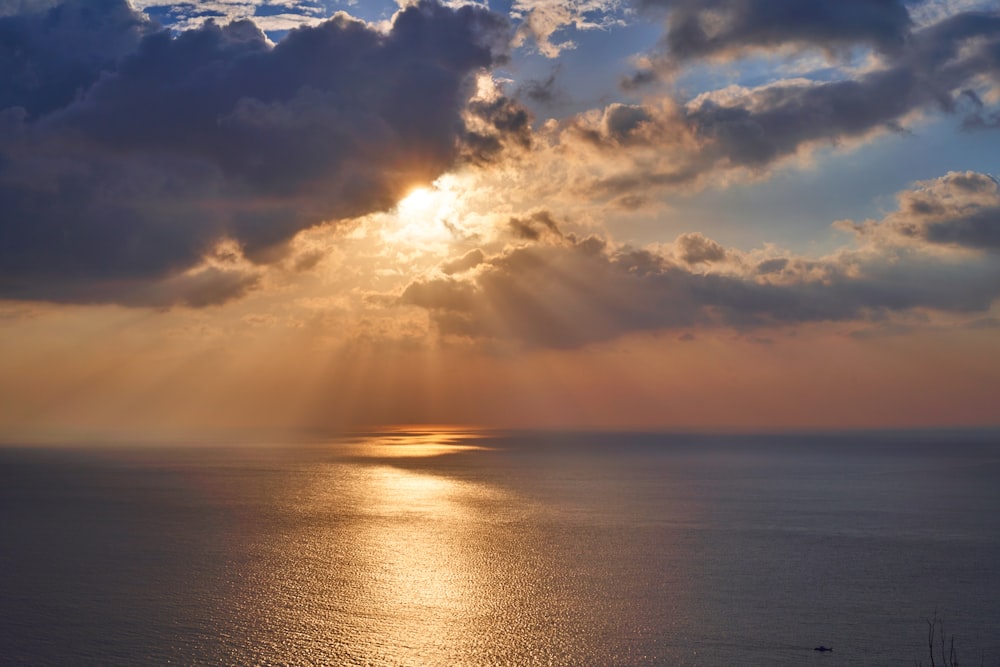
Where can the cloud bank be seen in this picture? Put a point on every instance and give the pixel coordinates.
(670, 142)
(569, 292)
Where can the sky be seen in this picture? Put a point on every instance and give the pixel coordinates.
(247, 218)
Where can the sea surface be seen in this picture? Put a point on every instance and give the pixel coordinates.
(456, 548)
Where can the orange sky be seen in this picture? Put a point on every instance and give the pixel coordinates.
(158, 377)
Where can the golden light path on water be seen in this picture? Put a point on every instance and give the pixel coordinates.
(424, 591)
(391, 565)
(406, 549)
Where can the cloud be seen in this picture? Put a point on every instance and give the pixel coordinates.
(466, 262)
(129, 169)
(277, 15)
(51, 51)
(542, 91)
(540, 20)
(11, 7)
(749, 129)
(571, 292)
(695, 248)
(729, 28)
(495, 124)
(535, 226)
(197, 288)
(959, 210)
(980, 117)
(924, 12)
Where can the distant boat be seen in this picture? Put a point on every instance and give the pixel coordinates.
(822, 649)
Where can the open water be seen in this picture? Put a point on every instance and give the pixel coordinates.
(449, 548)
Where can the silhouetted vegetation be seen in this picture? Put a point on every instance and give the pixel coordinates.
(941, 643)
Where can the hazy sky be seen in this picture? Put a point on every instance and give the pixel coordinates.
(235, 217)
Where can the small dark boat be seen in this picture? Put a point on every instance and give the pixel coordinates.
(822, 649)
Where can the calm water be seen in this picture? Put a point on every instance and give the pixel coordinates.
(508, 549)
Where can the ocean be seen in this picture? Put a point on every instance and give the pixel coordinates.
(456, 548)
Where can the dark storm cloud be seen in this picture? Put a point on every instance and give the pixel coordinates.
(703, 28)
(49, 55)
(753, 128)
(572, 292)
(127, 165)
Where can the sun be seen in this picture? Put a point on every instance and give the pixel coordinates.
(419, 202)
(437, 219)
(422, 217)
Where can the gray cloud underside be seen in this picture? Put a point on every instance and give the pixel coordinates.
(751, 129)
(960, 210)
(573, 292)
(127, 153)
(568, 296)
(704, 28)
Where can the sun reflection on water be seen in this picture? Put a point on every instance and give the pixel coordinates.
(383, 560)
(423, 576)
(414, 444)
(391, 565)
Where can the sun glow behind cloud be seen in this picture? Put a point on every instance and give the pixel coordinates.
(422, 218)
(436, 223)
